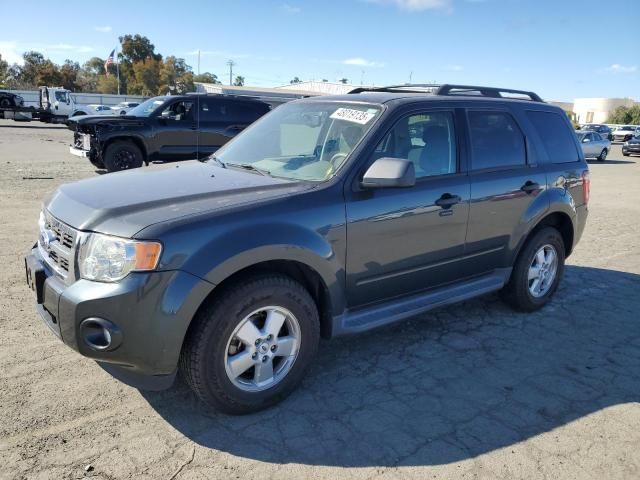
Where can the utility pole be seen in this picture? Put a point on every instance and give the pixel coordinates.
(198, 61)
(231, 63)
(410, 76)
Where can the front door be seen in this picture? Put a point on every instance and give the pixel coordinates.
(175, 132)
(402, 240)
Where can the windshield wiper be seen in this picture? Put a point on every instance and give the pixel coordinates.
(215, 159)
(251, 168)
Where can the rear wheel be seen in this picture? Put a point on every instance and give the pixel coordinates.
(5, 103)
(537, 271)
(251, 346)
(122, 155)
(603, 155)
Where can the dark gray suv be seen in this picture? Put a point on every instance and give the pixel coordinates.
(328, 216)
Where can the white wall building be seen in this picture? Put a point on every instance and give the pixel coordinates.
(322, 88)
(597, 110)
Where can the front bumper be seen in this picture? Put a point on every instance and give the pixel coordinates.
(78, 152)
(150, 311)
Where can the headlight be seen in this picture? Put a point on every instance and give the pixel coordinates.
(108, 259)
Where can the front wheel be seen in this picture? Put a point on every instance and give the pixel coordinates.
(603, 155)
(537, 271)
(251, 346)
(5, 103)
(122, 155)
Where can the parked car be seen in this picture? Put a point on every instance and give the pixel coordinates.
(631, 146)
(8, 99)
(593, 145)
(625, 132)
(124, 107)
(323, 218)
(604, 130)
(163, 128)
(94, 109)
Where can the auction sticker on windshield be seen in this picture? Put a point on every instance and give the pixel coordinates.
(352, 115)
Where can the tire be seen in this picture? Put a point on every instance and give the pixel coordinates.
(211, 340)
(97, 163)
(625, 154)
(5, 103)
(603, 155)
(122, 155)
(518, 291)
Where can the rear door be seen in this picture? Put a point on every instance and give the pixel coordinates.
(222, 119)
(506, 180)
(402, 240)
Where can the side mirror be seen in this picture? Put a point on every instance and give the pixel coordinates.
(167, 115)
(585, 140)
(389, 172)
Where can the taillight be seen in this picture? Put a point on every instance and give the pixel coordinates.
(586, 186)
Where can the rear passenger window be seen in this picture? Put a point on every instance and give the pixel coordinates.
(496, 140)
(212, 111)
(556, 136)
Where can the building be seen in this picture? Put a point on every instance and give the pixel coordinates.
(597, 110)
(273, 96)
(320, 88)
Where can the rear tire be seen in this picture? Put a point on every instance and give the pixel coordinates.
(218, 336)
(5, 103)
(625, 154)
(603, 155)
(122, 155)
(521, 292)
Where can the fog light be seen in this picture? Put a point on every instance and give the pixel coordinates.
(100, 334)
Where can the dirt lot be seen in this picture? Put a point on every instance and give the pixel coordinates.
(472, 391)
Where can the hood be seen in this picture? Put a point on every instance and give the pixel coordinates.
(634, 140)
(623, 132)
(116, 120)
(124, 203)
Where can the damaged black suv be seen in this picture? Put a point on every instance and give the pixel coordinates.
(328, 216)
(163, 128)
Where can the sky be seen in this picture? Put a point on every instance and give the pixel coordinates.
(561, 49)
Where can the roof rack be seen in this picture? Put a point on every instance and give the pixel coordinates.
(454, 90)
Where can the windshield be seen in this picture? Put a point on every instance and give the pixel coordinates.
(303, 141)
(146, 107)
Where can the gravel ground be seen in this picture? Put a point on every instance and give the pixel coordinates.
(471, 391)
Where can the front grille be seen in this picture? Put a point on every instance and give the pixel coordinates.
(57, 244)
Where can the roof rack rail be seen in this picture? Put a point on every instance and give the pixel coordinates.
(454, 90)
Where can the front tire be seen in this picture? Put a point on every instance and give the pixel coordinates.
(5, 103)
(122, 155)
(603, 155)
(251, 346)
(537, 271)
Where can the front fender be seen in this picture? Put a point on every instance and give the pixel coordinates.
(238, 249)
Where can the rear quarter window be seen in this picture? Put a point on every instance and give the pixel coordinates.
(556, 136)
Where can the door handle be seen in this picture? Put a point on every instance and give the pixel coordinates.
(530, 187)
(447, 200)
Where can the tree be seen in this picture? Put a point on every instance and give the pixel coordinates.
(4, 71)
(176, 76)
(206, 77)
(295, 80)
(626, 115)
(106, 84)
(239, 81)
(90, 73)
(344, 80)
(134, 49)
(70, 75)
(146, 76)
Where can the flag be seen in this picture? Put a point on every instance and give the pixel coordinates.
(109, 61)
